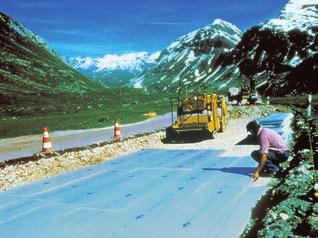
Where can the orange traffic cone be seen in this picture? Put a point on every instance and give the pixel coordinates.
(117, 134)
(46, 143)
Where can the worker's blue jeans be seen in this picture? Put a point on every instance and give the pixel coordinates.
(274, 158)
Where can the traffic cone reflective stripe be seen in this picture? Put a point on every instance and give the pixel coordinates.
(46, 143)
(117, 134)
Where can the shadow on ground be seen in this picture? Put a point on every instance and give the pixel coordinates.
(186, 138)
(248, 140)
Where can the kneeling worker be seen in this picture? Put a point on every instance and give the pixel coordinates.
(273, 149)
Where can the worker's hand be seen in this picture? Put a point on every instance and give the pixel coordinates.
(255, 175)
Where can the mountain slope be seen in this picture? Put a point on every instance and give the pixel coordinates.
(272, 51)
(28, 65)
(191, 59)
(114, 70)
(304, 78)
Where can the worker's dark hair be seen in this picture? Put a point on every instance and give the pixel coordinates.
(253, 127)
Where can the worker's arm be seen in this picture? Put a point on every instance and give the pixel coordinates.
(260, 166)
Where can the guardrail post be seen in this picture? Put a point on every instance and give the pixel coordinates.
(312, 133)
(309, 109)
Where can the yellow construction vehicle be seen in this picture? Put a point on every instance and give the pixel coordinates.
(204, 113)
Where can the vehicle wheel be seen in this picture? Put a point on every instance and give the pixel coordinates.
(210, 135)
(170, 134)
(221, 126)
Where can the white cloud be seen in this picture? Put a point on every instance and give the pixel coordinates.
(169, 23)
(39, 4)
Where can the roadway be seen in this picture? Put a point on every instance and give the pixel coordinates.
(185, 190)
(151, 193)
(25, 146)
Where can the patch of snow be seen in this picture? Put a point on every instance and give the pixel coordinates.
(297, 14)
(311, 52)
(82, 62)
(261, 84)
(190, 58)
(295, 61)
(260, 74)
(252, 56)
(138, 82)
(223, 85)
(174, 45)
(197, 73)
(171, 66)
(214, 73)
(163, 77)
(262, 56)
(211, 57)
(175, 80)
(181, 56)
(154, 56)
(227, 68)
(197, 79)
(226, 24)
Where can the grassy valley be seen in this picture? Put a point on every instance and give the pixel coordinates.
(25, 114)
(39, 89)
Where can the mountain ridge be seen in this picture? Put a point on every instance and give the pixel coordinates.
(269, 53)
(114, 70)
(191, 58)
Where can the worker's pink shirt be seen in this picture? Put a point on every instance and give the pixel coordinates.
(271, 140)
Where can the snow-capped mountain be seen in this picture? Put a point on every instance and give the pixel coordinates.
(190, 60)
(275, 53)
(273, 50)
(112, 69)
(297, 14)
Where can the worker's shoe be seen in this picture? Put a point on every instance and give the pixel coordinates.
(266, 172)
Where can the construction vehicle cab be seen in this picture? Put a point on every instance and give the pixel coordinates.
(203, 113)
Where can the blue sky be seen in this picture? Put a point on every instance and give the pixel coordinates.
(98, 27)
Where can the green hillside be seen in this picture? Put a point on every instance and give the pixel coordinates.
(38, 89)
(28, 65)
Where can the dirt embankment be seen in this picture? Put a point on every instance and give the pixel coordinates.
(18, 174)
